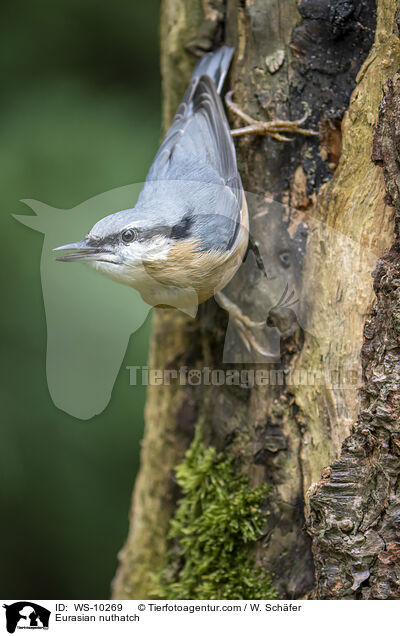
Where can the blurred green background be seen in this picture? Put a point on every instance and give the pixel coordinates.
(80, 114)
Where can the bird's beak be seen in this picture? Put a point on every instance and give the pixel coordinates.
(79, 251)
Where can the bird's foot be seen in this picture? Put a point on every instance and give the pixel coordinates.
(273, 128)
(243, 324)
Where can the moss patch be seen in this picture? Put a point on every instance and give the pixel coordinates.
(217, 521)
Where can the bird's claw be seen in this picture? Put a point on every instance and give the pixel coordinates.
(243, 324)
(273, 128)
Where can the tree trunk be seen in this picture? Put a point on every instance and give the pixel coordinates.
(354, 511)
(321, 222)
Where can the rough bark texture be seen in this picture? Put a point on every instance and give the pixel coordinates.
(320, 220)
(354, 513)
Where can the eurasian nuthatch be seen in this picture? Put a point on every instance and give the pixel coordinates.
(188, 232)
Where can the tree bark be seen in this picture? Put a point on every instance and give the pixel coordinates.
(321, 221)
(354, 510)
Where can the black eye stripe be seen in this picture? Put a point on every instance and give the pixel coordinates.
(182, 229)
(112, 239)
(179, 231)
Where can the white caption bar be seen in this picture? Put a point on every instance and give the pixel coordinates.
(176, 618)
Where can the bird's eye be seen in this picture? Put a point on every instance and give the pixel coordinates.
(284, 257)
(128, 236)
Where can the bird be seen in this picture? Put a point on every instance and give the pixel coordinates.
(188, 232)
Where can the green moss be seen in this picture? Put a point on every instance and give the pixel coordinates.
(217, 522)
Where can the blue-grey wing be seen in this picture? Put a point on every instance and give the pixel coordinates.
(198, 156)
(199, 144)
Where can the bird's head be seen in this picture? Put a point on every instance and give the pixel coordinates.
(119, 244)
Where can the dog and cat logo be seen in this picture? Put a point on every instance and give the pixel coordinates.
(26, 615)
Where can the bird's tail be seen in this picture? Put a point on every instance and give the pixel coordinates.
(215, 65)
